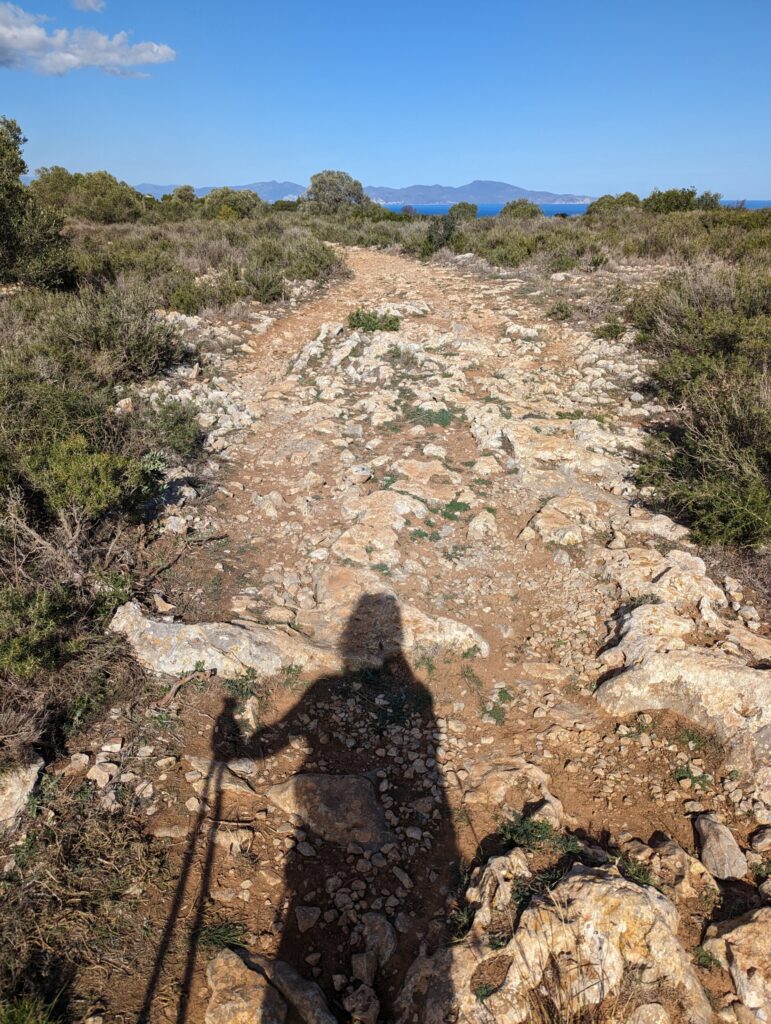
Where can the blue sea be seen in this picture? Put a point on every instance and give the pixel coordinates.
(549, 209)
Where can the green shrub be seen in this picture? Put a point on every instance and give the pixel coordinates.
(611, 330)
(232, 204)
(34, 623)
(609, 204)
(714, 469)
(70, 474)
(333, 192)
(111, 335)
(174, 428)
(561, 310)
(12, 196)
(520, 209)
(679, 199)
(368, 320)
(462, 211)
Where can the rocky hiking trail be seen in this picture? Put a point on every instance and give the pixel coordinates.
(438, 603)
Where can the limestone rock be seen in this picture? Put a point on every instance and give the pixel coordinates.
(649, 1013)
(340, 808)
(16, 785)
(482, 526)
(240, 995)
(578, 944)
(305, 996)
(720, 853)
(743, 947)
(175, 648)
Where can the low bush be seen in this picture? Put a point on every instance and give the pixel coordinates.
(520, 209)
(368, 320)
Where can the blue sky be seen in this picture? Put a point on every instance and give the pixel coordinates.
(594, 97)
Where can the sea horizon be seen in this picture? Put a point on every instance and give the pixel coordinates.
(548, 209)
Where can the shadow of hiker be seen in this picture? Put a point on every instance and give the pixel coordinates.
(374, 834)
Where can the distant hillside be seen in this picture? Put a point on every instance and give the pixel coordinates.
(270, 191)
(474, 192)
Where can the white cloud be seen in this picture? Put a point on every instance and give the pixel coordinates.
(26, 43)
(89, 5)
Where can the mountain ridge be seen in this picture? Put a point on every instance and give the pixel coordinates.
(478, 191)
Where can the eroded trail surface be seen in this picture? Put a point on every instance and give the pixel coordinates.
(437, 598)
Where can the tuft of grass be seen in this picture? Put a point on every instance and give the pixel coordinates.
(26, 1010)
(223, 935)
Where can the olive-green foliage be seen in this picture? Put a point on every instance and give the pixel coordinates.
(680, 199)
(462, 211)
(230, 204)
(711, 331)
(96, 196)
(520, 209)
(12, 195)
(72, 473)
(32, 248)
(609, 203)
(331, 191)
(272, 261)
(34, 623)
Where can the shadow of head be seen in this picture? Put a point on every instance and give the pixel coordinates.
(373, 634)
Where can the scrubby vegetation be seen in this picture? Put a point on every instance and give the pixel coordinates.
(91, 262)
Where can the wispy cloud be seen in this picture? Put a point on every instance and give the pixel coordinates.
(26, 43)
(89, 5)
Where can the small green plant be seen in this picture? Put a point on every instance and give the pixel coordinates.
(222, 935)
(701, 781)
(484, 991)
(611, 330)
(426, 662)
(292, 675)
(452, 509)
(560, 310)
(532, 834)
(369, 320)
(762, 871)
(703, 958)
(429, 417)
(244, 686)
(636, 870)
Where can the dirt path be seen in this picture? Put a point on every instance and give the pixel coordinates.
(443, 517)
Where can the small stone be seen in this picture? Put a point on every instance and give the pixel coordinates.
(307, 917)
(720, 853)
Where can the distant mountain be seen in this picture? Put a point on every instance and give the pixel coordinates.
(415, 195)
(474, 192)
(270, 191)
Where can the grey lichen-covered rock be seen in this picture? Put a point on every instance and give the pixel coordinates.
(340, 808)
(743, 947)
(175, 648)
(16, 785)
(576, 946)
(720, 853)
(240, 995)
